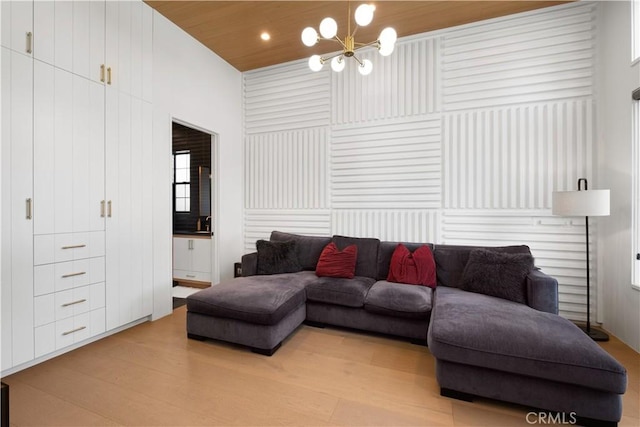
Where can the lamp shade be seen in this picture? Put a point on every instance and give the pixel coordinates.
(581, 203)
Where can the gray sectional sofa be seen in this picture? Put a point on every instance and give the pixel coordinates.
(483, 345)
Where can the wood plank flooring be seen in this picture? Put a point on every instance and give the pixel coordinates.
(153, 375)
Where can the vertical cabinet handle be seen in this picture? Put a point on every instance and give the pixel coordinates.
(108, 75)
(109, 208)
(101, 208)
(29, 208)
(29, 42)
(102, 73)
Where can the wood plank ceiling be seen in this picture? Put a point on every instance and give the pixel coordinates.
(232, 29)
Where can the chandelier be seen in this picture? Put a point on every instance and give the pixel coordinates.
(328, 30)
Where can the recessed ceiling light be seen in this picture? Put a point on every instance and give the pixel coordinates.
(265, 36)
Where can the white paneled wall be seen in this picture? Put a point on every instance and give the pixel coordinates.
(387, 164)
(259, 223)
(287, 170)
(403, 84)
(460, 136)
(520, 60)
(393, 225)
(514, 157)
(285, 97)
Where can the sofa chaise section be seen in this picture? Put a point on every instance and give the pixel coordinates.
(258, 312)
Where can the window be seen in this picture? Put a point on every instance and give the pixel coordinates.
(182, 181)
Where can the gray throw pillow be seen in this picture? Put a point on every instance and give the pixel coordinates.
(497, 274)
(277, 257)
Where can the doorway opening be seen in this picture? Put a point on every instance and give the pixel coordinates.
(194, 206)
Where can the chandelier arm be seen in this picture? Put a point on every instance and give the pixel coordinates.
(326, 58)
(355, 31)
(358, 60)
(361, 45)
(337, 39)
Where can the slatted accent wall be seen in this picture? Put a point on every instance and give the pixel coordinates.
(285, 97)
(521, 60)
(259, 223)
(394, 225)
(387, 164)
(514, 157)
(287, 170)
(403, 84)
(460, 136)
(558, 245)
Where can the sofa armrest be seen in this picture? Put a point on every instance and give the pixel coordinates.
(250, 264)
(542, 292)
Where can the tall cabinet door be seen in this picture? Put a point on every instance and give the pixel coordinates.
(129, 292)
(17, 199)
(70, 35)
(68, 152)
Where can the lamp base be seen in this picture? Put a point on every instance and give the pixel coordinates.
(595, 334)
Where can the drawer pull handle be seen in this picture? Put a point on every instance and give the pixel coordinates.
(191, 275)
(74, 274)
(74, 302)
(74, 330)
(74, 246)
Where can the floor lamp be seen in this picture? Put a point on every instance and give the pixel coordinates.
(585, 203)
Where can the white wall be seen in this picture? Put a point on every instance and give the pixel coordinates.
(197, 87)
(618, 80)
(460, 136)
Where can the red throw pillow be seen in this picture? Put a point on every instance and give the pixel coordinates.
(417, 268)
(337, 263)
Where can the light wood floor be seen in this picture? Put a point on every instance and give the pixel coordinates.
(153, 375)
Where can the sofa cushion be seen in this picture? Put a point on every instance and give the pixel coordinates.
(308, 249)
(417, 268)
(277, 257)
(385, 252)
(337, 263)
(399, 300)
(263, 300)
(346, 292)
(367, 264)
(452, 259)
(480, 330)
(501, 275)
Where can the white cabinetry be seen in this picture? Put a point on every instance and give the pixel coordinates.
(17, 197)
(129, 291)
(76, 179)
(192, 259)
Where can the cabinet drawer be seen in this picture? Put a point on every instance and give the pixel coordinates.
(65, 332)
(50, 248)
(64, 304)
(51, 278)
(192, 275)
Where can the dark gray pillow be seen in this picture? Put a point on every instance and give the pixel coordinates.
(277, 257)
(497, 274)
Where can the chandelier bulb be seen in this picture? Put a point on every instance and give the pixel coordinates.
(309, 36)
(315, 63)
(338, 63)
(388, 36)
(328, 28)
(366, 67)
(364, 14)
(386, 49)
